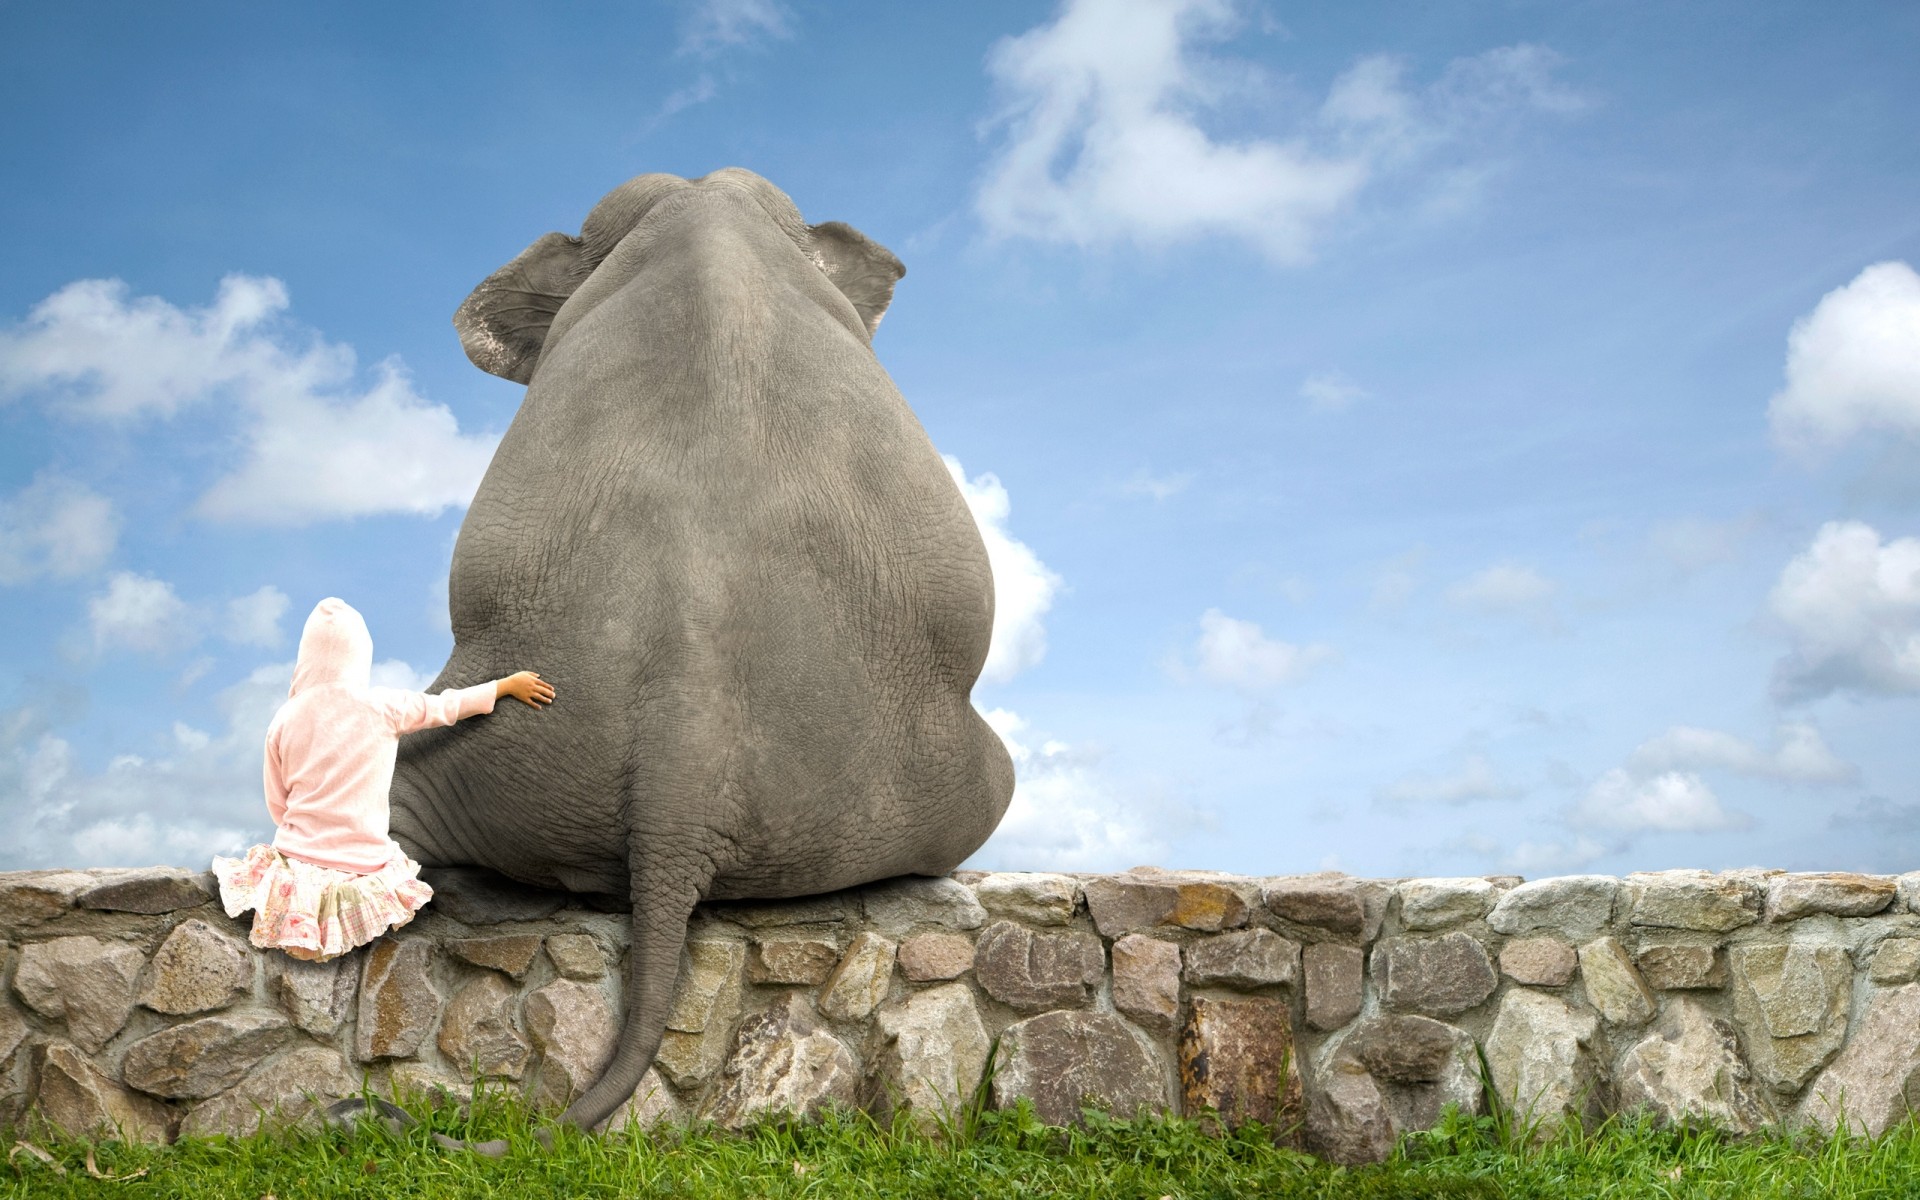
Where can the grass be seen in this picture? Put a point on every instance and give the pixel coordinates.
(992, 1154)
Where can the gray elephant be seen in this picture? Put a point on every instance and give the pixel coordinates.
(716, 527)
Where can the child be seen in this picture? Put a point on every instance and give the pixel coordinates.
(333, 879)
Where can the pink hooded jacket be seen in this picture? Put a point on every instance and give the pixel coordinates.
(330, 748)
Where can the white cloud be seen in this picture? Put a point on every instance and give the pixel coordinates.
(1853, 363)
(1799, 755)
(1670, 802)
(1023, 587)
(55, 527)
(316, 448)
(1851, 606)
(139, 612)
(1239, 654)
(1476, 780)
(1331, 391)
(1104, 141)
(254, 619)
(394, 673)
(1506, 588)
(718, 25)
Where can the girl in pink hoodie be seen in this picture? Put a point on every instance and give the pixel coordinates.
(333, 879)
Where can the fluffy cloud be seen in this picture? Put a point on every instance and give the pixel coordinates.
(254, 620)
(1023, 587)
(316, 448)
(1238, 654)
(1506, 588)
(1475, 780)
(139, 612)
(1670, 802)
(1103, 141)
(1853, 363)
(1851, 606)
(54, 527)
(1799, 755)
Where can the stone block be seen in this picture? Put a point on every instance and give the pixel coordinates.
(935, 1052)
(1538, 961)
(314, 995)
(477, 896)
(1613, 986)
(511, 955)
(858, 985)
(88, 981)
(1032, 971)
(1574, 906)
(279, 1095)
(1682, 966)
(1247, 959)
(29, 898)
(1540, 1054)
(148, 890)
(1697, 900)
(926, 957)
(477, 1031)
(1404, 1049)
(1347, 1119)
(398, 1002)
(1689, 1068)
(1208, 907)
(791, 958)
(199, 1058)
(651, 1106)
(1237, 1062)
(1064, 1061)
(707, 1001)
(576, 956)
(1896, 960)
(832, 909)
(1146, 981)
(78, 1099)
(1443, 975)
(1336, 983)
(574, 1030)
(1329, 902)
(1907, 892)
(1873, 1084)
(197, 969)
(1030, 898)
(1121, 905)
(901, 905)
(1429, 904)
(1834, 893)
(1791, 999)
(783, 1062)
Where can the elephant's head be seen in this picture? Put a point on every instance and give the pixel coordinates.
(505, 323)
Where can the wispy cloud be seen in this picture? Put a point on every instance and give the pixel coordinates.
(1331, 391)
(1156, 487)
(715, 26)
(1506, 588)
(1475, 780)
(1799, 755)
(1238, 654)
(56, 528)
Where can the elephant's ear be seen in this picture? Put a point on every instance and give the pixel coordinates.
(503, 324)
(863, 269)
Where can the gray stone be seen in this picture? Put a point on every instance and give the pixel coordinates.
(1690, 1068)
(707, 1001)
(935, 1052)
(1032, 971)
(1120, 905)
(1146, 981)
(1329, 902)
(1837, 893)
(1541, 1058)
(29, 898)
(477, 896)
(576, 956)
(511, 955)
(1896, 960)
(927, 957)
(1538, 961)
(1908, 892)
(1873, 1084)
(1336, 983)
(783, 1062)
(149, 890)
(1574, 906)
(278, 1095)
(573, 1028)
(1682, 966)
(791, 959)
(651, 1106)
(1444, 975)
(1698, 900)
(1237, 1062)
(76, 1098)
(1208, 906)
(195, 1060)
(314, 995)
(1392, 1074)
(1792, 1002)
(1427, 904)
(1064, 1061)
(477, 1031)
(860, 982)
(397, 999)
(13, 1031)
(901, 905)
(1347, 1119)
(1032, 898)
(1250, 958)
(831, 909)
(197, 969)
(1404, 1049)
(86, 980)
(1613, 986)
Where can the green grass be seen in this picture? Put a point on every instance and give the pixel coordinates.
(994, 1155)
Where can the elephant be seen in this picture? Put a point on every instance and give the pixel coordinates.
(715, 526)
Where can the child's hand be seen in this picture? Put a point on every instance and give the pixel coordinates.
(526, 687)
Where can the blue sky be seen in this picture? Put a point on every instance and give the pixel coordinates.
(1413, 439)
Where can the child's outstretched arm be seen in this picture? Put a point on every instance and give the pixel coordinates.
(409, 711)
(526, 687)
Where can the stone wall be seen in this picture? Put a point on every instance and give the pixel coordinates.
(1347, 1010)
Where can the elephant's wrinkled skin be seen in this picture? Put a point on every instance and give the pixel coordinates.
(718, 530)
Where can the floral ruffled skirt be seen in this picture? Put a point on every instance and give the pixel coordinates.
(317, 913)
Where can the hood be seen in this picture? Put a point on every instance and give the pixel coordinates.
(335, 647)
